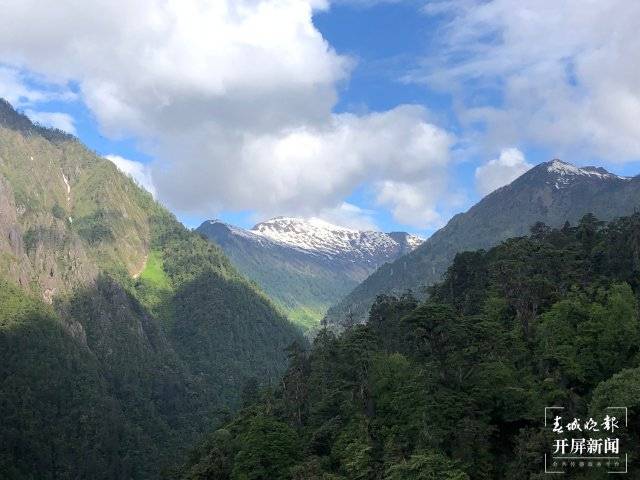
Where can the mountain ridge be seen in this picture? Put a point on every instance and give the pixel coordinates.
(321, 237)
(306, 265)
(552, 192)
(99, 282)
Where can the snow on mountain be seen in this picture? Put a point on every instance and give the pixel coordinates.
(333, 241)
(306, 265)
(566, 173)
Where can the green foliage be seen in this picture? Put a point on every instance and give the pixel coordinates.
(168, 352)
(584, 342)
(306, 316)
(56, 406)
(154, 273)
(120, 374)
(95, 228)
(426, 466)
(269, 449)
(58, 212)
(454, 387)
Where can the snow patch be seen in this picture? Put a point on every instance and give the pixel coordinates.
(567, 173)
(66, 182)
(322, 238)
(414, 241)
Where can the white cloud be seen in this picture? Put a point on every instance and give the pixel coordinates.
(308, 169)
(59, 120)
(562, 75)
(501, 171)
(411, 203)
(233, 98)
(351, 216)
(139, 171)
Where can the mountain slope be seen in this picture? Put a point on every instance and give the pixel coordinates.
(552, 192)
(455, 388)
(106, 294)
(306, 265)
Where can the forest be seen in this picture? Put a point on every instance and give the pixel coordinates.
(454, 387)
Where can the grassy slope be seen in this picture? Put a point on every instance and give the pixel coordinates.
(154, 273)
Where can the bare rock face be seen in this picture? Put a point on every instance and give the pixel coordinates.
(13, 260)
(65, 213)
(45, 257)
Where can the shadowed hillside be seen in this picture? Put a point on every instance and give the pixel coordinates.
(124, 335)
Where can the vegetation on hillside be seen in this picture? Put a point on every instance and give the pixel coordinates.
(104, 375)
(454, 387)
(302, 285)
(537, 195)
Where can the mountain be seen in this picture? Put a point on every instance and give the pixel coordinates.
(455, 387)
(123, 335)
(306, 265)
(366, 248)
(553, 192)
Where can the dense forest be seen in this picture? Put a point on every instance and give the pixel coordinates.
(454, 387)
(118, 378)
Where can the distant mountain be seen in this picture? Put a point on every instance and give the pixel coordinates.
(123, 335)
(552, 192)
(306, 265)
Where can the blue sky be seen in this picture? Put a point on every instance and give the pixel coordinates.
(376, 114)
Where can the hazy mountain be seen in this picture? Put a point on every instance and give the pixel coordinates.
(122, 334)
(306, 265)
(552, 192)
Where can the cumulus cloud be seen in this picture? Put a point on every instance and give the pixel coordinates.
(411, 204)
(351, 216)
(59, 120)
(501, 171)
(556, 74)
(139, 171)
(308, 169)
(233, 99)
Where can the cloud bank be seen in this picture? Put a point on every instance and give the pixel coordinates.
(500, 171)
(562, 75)
(234, 100)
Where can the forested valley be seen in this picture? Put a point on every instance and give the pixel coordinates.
(454, 387)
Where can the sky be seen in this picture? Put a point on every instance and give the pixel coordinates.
(372, 114)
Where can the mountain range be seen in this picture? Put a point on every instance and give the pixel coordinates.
(123, 335)
(306, 265)
(553, 192)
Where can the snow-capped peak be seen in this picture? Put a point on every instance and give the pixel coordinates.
(305, 233)
(565, 173)
(412, 241)
(323, 238)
